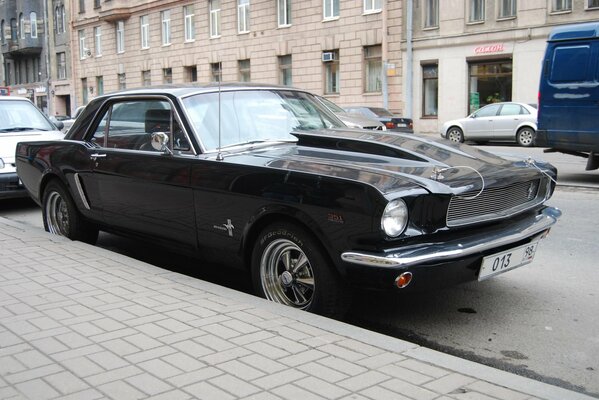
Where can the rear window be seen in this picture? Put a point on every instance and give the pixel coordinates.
(570, 64)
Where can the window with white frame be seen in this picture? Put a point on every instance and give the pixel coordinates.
(243, 16)
(592, 4)
(100, 85)
(214, 18)
(61, 65)
(431, 13)
(561, 5)
(189, 23)
(81, 34)
(507, 8)
(371, 6)
(476, 12)
(146, 78)
(166, 27)
(284, 12)
(331, 71)
(373, 69)
(144, 23)
(430, 90)
(98, 40)
(285, 76)
(244, 70)
(330, 9)
(120, 36)
(33, 20)
(122, 81)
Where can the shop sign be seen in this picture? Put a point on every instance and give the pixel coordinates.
(391, 70)
(40, 89)
(22, 91)
(489, 48)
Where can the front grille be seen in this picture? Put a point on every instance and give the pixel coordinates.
(494, 203)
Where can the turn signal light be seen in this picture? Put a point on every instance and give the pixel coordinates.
(390, 125)
(403, 280)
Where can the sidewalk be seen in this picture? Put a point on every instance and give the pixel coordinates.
(80, 322)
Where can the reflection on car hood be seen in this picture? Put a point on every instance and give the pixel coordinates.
(9, 140)
(391, 161)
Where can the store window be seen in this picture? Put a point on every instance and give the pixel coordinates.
(285, 77)
(430, 90)
(431, 13)
(373, 68)
(561, 5)
(331, 71)
(476, 11)
(507, 8)
(490, 82)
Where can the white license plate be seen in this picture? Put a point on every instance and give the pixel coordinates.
(502, 262)
(400, 125)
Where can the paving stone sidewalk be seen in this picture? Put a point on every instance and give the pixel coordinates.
(80, 322)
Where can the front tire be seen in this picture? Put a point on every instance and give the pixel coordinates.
(525, 136)
(61, 216)
(289, 267)
(455, 134)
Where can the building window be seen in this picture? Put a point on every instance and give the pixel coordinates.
(146, 78)
(244, 70)
(476, 11)
(166, 27)
(373, 68)
(331, 71)
(81, 6)
(61, 64)
(592, 4)
(81, 34)
(431, 13)
(284, 12)
(167, 75)
(2, 32)
(430, 90)
(507, 8)
(144, 23)
(122, 81)
(191, 74)
(14, 29)
(216, 72)
(330, 9)
(371, 6)
(285, 76)
(190, 30)
(97, 4)
(98, 40)
(490, 82)
(561, 5)
(100, 85)
(33, 19)
(214, 18)
(243, 16)
(21, 26)
(84, 90)
(120, 36)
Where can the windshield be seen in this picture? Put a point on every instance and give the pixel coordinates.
(331, 106)
(251, 116)
(19, 116)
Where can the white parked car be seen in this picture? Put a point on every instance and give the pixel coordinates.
(501, 122)
(20, 121)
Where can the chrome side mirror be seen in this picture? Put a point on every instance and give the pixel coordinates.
(159, 142)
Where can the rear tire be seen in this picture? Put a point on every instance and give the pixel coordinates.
(525, 136)
(290, 268)
(61, 216)
(455, 134)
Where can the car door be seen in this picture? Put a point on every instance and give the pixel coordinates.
(479, 126)
(140, 189)
(509, 118)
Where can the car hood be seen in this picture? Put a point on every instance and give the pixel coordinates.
(353, 120)
(9, 140)
(393, 162)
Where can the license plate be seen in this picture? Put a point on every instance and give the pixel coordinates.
(400, 125)
(508, 260)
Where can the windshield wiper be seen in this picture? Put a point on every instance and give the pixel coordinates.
(22, 128)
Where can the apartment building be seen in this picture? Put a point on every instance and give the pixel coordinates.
(348, 51)
(468, 53)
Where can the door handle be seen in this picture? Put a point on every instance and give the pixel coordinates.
(97, 155)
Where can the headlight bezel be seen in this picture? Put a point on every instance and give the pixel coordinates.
(395, 218)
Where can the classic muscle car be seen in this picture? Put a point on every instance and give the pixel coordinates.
(267, 179)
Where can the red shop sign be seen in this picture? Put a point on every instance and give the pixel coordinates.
(489, 48)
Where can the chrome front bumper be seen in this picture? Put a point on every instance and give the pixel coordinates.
(408, 256)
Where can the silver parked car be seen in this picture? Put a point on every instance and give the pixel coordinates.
(352, 120)
(507, 122)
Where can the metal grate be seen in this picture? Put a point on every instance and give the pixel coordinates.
(493, 203)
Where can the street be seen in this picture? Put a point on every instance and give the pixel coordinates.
(539, 321)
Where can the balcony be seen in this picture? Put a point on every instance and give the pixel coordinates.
(21, 47)
(115, 10)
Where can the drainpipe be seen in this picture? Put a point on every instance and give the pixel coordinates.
(409, 59)
(47, 60)
(385, 58)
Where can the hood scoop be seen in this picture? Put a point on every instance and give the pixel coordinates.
(357, 142)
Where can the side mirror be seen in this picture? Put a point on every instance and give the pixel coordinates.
(159, 142)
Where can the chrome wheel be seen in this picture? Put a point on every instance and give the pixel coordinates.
(455, 135)
(525, 137)
(286, 274)
(57, 214)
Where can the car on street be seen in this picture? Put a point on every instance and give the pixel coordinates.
(20, 121)
(268, 180)
(68, 122)
(497, 122)
(392, 122)
(352, 120)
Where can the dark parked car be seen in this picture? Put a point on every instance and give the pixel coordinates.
(352, 120)
(392, 122)
(268, 180)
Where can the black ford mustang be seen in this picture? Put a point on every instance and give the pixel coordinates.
(266, 178)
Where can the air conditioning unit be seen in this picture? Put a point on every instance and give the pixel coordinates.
(328, 56)
(87, 53)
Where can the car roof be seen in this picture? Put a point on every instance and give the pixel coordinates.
(15, 98)
(575, 31)
(183, 90)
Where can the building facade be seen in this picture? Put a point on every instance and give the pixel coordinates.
(349, 51)
(469, 53)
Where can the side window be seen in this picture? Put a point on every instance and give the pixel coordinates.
(488, 111)
(570, 64)
(511, 109)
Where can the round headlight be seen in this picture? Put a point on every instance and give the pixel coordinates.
(395, 218)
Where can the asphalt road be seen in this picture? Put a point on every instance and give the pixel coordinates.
(540, 321)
